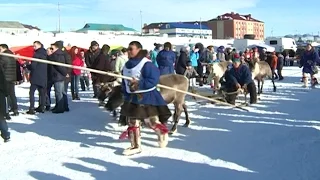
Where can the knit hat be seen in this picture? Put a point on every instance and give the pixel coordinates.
(157, 45)
(236, 58)
(94, 43)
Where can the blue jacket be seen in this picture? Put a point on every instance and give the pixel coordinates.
(308, 60)
(150, 78)
(38, 71)
(58, 73)
(166, 60)
(194, 56)
(153, 57)
(241, 75)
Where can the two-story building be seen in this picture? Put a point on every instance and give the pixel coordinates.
(196, 30)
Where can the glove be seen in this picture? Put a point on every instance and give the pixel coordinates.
(238, 86)
(244, 86)
(134, 85)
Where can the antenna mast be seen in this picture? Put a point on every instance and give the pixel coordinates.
(141, 22)
(59, 22)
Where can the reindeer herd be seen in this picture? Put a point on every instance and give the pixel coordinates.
(112, 90)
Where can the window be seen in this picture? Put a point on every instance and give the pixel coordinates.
(273, 42)
(167, 26)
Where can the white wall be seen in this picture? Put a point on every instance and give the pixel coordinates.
(12, 30)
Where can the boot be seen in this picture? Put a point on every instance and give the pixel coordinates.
(15, 113)
(135, 140)
(40, 110)
(7, 116)
(162, 133)
(305, 81)
(73, 96)
(31, 111)
(77, 97)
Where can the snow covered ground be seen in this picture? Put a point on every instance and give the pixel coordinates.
(279, 139)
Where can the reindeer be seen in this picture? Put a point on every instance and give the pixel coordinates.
(260, 70)
(216, 72)
(176, 98)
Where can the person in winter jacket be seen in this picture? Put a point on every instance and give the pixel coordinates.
(166, 59)
(76, 73)
(154, 53)
(5, 134)
(308, 61)
(228, 54)
(102, 63)
(38, 78)
(280, 65)
(221, 54)
(255, 54)
(274, 63)
(69, 71)
(121, 60)
(263, 55)
(84, 78)
(239, 76)
(49, 80)
(91, 55)
(59, 74)
(194, 56)
(9, 65)
(183, 59)
(201, 69)
(142, 100)
(114, 54)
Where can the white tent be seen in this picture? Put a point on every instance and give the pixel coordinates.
(267, 47)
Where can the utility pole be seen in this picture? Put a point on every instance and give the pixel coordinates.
(200, 28)
(59, 20)
(141, 21)
(272, 32)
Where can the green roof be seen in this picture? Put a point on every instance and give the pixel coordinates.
(104, 27)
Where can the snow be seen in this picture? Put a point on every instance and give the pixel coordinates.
(278, 139)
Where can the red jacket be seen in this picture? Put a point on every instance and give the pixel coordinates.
(77, 61)
(274, 62)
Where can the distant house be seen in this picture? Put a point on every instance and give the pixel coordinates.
(104, 29)
(154, 28)
(11, 27)
(197, 30)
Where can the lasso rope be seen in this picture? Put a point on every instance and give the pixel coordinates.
(117, 76)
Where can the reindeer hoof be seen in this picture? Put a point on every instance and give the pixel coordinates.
(172, 132)
(186, 125)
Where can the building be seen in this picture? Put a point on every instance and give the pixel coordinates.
(234, 25)
(16, 28)
(11, 27)
(196, 30)
(105, 29)
(154, 28)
